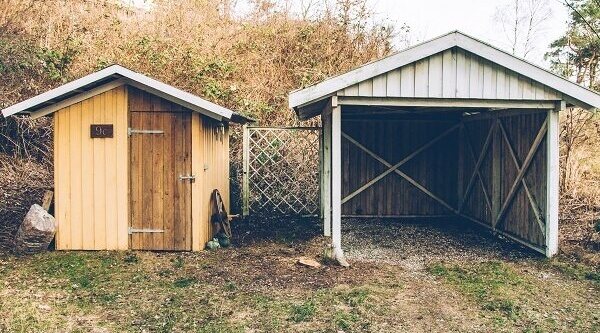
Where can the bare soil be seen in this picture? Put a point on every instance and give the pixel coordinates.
(405, 276)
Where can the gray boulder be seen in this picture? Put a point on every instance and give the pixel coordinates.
(36, 232)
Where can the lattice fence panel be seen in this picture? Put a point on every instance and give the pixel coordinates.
(281, 170)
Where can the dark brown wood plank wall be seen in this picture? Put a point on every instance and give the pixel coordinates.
(520, 218)
(434, 168)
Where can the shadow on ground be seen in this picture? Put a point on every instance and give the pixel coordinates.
(408, 242)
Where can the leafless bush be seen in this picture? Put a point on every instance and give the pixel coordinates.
(22, 183)
(580, 180)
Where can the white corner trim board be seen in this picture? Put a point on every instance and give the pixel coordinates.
(122, 75)
(582, 96)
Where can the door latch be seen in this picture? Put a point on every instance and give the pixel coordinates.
(134, 230)
(191, 178)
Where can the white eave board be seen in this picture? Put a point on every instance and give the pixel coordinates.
(578, 94)
(136, 79)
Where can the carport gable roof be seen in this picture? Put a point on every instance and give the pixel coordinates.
(574, 93)
(108, 78)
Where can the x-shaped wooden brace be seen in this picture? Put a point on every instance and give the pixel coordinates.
(477, 172)
(521, 174)
(394, 168)
(532, 201)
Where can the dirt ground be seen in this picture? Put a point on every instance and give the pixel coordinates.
(406, 276)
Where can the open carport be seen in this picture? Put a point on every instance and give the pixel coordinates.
(451, 127)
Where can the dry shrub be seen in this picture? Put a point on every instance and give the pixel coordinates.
(27, 138)
(580, 182)
(23, 182)
(247, 62)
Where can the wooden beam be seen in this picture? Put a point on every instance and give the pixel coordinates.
(495, 114)
(245, 171)
(446, 102)
(460, 189)
(496, 172)
(336, 184)
(552, 187)
(478, 174)
(326, 169)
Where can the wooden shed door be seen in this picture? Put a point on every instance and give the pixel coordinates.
(161, 213)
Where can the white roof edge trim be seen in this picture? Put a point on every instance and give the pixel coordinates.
(59, 91)
(453, 39)
(370, 70)
(178, 96)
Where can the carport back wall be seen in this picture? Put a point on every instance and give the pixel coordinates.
(435, 167)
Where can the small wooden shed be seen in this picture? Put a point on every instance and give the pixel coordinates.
(135, 161)
(452, 127)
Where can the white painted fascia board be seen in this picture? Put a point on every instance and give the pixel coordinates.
(175, 100)
(77, 98)
(370, 70)
(59, 91)
(574, 90)
(194, 102)
(580, 95)
(141, 81)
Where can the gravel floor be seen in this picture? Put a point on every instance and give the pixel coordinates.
(413, 243)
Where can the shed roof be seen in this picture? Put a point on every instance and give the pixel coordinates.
(108, 78)
(573, 93)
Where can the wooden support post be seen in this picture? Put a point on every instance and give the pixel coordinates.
(326, 173)
(336, 183)
(552, 187)
(496, 172)
(321, 176)
(461, 165)
(245, 172)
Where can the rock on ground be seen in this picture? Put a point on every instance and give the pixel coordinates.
(36, 232)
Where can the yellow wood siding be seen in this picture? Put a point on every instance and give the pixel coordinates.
(210, 164)
(91, 175)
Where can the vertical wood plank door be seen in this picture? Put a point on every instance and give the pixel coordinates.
(161, 212)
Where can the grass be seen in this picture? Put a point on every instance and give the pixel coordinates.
(529, 297)
(184, 282)
(303, 312)
(576, 270)
(489, 283)
(210, 292)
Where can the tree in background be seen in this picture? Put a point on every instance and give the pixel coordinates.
(523, 21)
(247, 60)
(576, 55)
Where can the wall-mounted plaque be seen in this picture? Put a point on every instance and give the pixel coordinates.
(101, 131)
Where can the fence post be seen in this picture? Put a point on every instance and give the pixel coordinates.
(245, 172)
